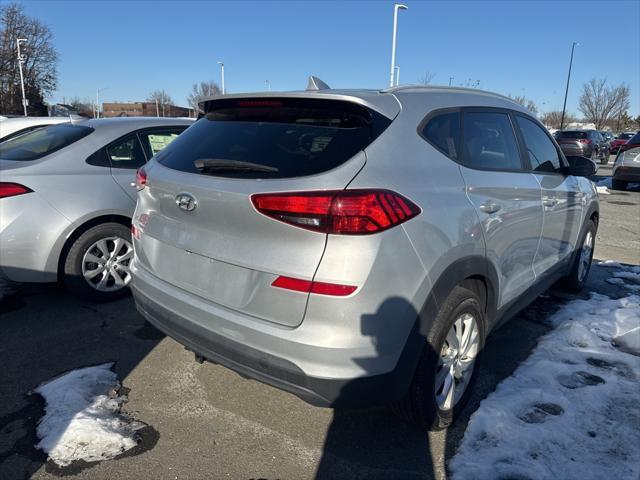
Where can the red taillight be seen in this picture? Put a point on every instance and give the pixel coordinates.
(12, 189)
(135, 232)
(141, 178)
(340, 212)
(585, 140)
(306, 286)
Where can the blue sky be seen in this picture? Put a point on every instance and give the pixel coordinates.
(512, 47)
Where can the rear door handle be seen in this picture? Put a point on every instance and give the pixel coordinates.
(490, 207)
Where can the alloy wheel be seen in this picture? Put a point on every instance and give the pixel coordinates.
(105, 264)
(456, 362)
(585, 256)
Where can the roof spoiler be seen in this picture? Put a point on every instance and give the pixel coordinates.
(316, 84)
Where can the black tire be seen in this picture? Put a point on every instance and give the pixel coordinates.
(576, 279)
(618, 184)
(419, 406)
(73, 278)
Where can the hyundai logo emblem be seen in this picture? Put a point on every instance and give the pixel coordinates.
(186, 202)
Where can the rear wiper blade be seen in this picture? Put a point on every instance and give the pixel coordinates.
(222, 164)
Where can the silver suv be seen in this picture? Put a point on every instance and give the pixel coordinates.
(356, 247)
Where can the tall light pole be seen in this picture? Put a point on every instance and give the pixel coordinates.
(222, 75)
(268, 85)
(20, 62)
(98, 90)
(450, 80)
(396, 7)
(397, 68)
(566, 92)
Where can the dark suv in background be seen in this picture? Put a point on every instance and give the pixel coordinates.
(584, 143)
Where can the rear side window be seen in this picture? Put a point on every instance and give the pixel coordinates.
(489, 142)
(543, 155)
(126, 153)
(443, 132)
(42, 142)
(273, 138)
(635, 139)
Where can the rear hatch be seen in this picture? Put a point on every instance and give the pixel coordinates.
(200, 230)
(573, 142)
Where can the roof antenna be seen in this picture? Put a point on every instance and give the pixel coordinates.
(316, 84)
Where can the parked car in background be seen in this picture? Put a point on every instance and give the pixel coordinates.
(626, 168)
(66, 197)
(620, 140)
(11, 127)
(607, 135)
(357, 247)
(584, 143)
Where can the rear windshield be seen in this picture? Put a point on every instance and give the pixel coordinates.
(273, 138)
(42, 142)
(572, 135)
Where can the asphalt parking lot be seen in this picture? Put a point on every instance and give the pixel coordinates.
(205, 421)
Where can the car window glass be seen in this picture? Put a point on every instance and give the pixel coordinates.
(126, 153)
(443, 132)
(157, 140)
(541, 150)
(489, 141)
(42, 142)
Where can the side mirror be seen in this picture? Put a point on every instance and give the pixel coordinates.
(581, 166)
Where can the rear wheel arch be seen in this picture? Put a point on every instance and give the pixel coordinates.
(80, 229)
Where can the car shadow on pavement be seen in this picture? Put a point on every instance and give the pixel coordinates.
(44, 333)
(377, 444)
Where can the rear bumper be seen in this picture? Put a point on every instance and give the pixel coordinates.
(280, 357)
(29, 230)
(626, 173)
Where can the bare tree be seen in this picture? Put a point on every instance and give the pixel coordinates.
(85, 107)
(39, 66)
(601, 103)
(553, 118)
(427, 78)
(526, 103)
(200, 90)
(163, 101)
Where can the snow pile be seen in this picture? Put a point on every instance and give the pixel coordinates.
(571, 409)
(602, 190)
(83, 419)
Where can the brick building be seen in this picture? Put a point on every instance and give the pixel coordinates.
(143, 109)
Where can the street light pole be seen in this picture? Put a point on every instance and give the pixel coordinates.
(396, 7)
(450, 80)
(397, 75)
(20, 62)
(98, 90)
(566, 92)
(222, 75)
(268, 85)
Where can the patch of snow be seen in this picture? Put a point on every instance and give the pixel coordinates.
(605, 182)
(83, 419)
(570, 410)
(609, 264)
(602, 190)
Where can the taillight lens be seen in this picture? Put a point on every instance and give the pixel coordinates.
(8, 189)
(340, 212)
(585, 140)
(141, 178)
(307, 286)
